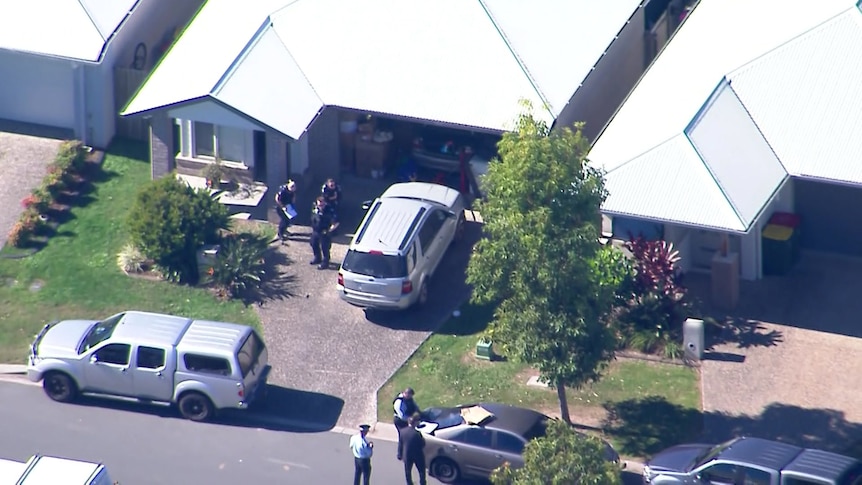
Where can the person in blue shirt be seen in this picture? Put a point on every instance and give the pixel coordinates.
(362, 450)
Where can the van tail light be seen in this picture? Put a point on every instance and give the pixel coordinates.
(340, 279)
(406, 287)
(240, 390)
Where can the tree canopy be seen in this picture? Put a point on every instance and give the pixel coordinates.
(562, 456)
(541, 261)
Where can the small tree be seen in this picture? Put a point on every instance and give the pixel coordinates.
(169, 221)
(562, 456)
(542, 260)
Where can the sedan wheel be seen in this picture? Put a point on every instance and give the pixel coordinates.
(59, 387)
(445, 470)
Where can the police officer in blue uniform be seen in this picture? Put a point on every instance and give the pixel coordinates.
(331, 191)
(285, 198)
(323, 222)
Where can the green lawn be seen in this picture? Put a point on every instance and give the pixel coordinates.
(640, 406)
(78, 273)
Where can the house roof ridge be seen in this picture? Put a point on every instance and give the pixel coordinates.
(535, 85)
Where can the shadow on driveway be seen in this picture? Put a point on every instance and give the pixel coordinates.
(643, 427)
(447, 290)
(283, 409)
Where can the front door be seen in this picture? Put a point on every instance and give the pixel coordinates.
(152, 376)
(107, 370)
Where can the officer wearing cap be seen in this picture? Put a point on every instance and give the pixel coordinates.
(362, 450)
(323, 222)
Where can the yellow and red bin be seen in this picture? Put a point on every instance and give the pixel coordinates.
(780, 243)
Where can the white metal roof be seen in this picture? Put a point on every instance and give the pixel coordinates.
(49, 470)
(76, 29)
(805, 98)
(460, 62)
(683, 93)
(670, 185)
(717, 37)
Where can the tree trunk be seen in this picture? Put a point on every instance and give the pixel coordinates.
(564, 403)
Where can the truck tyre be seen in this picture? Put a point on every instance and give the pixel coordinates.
(195, 406)
(59, 386)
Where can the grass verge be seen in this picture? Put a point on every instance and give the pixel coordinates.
(640, 406)
(76, 274)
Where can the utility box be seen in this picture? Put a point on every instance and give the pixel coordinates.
(693, 338)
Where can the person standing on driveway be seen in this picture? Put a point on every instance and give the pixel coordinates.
(413, 444)
(331, 191)
(285, 199)
(362, 450)
(404, 407)
(323, 222)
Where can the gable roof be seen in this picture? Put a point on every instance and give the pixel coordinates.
(74, 29)
(460, 62)
(758, 101)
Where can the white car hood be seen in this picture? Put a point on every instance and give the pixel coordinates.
(62, 339)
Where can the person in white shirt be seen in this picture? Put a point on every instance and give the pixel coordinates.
(362, 450)
(404, 407)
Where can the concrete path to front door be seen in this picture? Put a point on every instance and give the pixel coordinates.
(787, 364)
(23, 161)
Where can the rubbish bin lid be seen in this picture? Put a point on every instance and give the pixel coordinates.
(777, 233)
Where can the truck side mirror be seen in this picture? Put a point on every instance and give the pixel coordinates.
(94, 358)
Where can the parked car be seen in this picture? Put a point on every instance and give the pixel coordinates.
(750, 461)
(473, 440)
(399, 244)
(200, 366)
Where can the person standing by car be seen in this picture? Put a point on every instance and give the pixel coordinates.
(331, 191)
(404, 407)
(285, 198)
(323, 222)
(362, 450)
(413, 450)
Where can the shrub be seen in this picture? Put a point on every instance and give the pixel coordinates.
(55, 181)
(19, 235)
(239, 263)
(38, 201)
(131, 259)
(169, 220)
(652, 320)
(70, 156)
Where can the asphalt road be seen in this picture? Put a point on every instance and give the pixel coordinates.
(150, 445)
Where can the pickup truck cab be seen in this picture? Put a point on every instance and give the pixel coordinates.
(50, 470)
(199, 366)
(750, 461)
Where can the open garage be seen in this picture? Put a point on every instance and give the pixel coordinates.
(830, 215)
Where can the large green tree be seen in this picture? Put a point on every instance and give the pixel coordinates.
(541, 261)
(562, 456)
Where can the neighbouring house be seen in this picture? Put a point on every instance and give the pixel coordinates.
(752, 109)
(60, 60)
(273, 89)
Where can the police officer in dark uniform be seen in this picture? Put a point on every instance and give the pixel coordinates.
(331, 191)
(285, 199)
(323, 222)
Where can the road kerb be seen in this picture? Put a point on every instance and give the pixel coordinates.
(13, 369)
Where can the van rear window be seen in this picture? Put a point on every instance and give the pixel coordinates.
(375, 265)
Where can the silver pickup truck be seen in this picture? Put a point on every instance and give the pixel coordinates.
(199, 366)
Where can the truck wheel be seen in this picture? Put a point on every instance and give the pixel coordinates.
(195, 406)
(422, 299)
(445, 470)
(59, 387)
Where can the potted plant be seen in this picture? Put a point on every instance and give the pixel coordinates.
(214, 173)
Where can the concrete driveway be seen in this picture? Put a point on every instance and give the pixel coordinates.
(23, 161)
(323, 345)
(786, 365)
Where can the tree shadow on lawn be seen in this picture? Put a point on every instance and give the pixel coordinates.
(643, 427)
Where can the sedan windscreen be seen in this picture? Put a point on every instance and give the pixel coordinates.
(443, 417)
(375, 264)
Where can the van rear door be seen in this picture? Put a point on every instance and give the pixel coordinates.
(253, 359)
(374, 273)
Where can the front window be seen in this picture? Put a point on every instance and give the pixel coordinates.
(480, 437)
(100, 332)
(249, 353)
(222, 142)
(375, 264)
(117, 354)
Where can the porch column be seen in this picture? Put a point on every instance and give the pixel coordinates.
(276, 170)
(162, 149)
